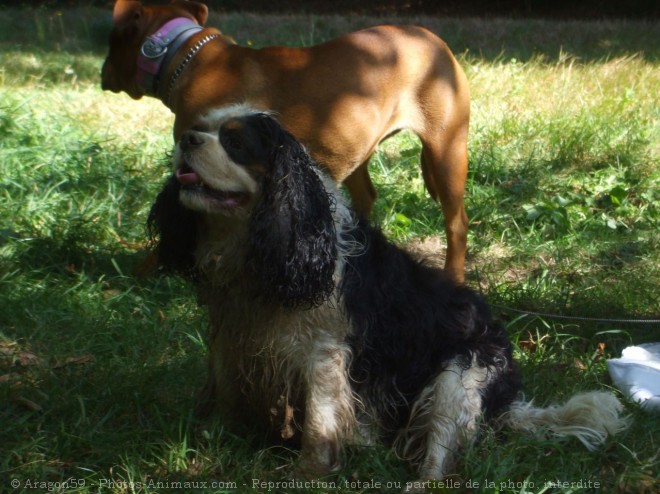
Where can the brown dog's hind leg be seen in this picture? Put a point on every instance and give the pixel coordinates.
(362, 190)
(444, 169)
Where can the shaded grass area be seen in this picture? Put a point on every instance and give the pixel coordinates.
(48, 35)
(99, 366)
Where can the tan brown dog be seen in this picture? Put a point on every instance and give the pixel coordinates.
(340, 98)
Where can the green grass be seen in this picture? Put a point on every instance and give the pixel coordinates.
(99, 366)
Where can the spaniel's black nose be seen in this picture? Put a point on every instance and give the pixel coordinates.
(191, 139)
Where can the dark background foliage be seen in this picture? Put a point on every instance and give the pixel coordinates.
(563, 9)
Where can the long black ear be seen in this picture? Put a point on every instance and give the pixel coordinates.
(292, 247)
(173, 230)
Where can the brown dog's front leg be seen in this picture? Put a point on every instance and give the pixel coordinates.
(362, 190)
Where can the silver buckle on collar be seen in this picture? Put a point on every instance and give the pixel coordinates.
(153, 48)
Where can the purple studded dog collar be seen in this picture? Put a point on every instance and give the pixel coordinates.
(158, 49)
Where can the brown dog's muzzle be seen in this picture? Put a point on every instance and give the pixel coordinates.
(116, 82)
(108, 82)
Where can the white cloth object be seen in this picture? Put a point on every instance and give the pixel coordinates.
(637, 374)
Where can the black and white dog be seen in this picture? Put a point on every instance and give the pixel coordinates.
(322, 327)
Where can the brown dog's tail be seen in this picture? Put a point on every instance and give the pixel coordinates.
(590, 417)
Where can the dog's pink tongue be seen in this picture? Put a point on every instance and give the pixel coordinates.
(187, 177)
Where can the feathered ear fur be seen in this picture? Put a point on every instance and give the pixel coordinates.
(173, 229)
(292, 244)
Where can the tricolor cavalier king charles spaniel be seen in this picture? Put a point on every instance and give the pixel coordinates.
(323, 329)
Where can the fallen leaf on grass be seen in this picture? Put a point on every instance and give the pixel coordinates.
(110, 292)
(12, 378)
(11, 351)
(7, 348)
(530, 345)
(31, 405)
(26, 359)
(80, 360)
(132, 245)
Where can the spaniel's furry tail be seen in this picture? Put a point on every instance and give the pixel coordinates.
(590, 417)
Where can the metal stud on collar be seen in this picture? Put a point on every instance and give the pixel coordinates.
(191, 54)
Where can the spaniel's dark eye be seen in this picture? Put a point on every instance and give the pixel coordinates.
(241, 140)
(231, 141)
(234, 143)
